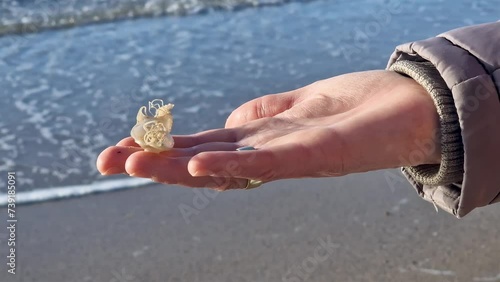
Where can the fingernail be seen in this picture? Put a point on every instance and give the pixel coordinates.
(195, 169)
(112, 170)
(201, 172)
(196, 173)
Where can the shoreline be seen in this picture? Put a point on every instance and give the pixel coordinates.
(41, 195)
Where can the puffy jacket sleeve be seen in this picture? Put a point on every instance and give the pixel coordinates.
(461, 71)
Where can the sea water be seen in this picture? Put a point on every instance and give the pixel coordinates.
(73, 73)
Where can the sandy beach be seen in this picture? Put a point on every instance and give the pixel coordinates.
(70, 89)
(354, 228)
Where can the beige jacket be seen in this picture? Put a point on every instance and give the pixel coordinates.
(461, 71)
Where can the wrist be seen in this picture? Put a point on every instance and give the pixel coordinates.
(425, 142)
(450, 167)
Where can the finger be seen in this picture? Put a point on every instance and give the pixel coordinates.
(174, 171)
(205, 147)
(284, 161)
(127, 142)
(112, 159)
(266, 106)
(214, 135)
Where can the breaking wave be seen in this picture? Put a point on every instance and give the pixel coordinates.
(24, 17)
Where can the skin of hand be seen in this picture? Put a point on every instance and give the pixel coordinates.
(350, 123)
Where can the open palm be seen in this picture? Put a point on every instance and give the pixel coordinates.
(350, 123)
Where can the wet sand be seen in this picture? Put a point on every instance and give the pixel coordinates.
(355, 228)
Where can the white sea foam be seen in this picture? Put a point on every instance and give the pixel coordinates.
(46, 194)
(21, 18)
(57, 94)
(488, 279)
(436, 271)
(29, 92)
(193, 109)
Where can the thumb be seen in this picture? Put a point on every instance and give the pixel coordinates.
(265, 106)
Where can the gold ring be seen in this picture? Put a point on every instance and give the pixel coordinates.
(251, 183)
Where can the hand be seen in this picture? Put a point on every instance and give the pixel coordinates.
(350, 123)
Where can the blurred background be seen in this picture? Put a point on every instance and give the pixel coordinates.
(73, 74)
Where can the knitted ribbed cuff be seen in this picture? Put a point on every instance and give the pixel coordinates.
(450, 170)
